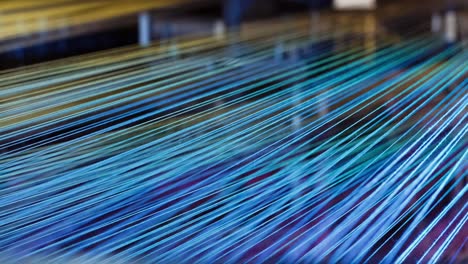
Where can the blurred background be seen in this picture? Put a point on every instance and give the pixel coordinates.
(36, 31)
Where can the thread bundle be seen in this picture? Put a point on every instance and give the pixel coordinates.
(279, 145)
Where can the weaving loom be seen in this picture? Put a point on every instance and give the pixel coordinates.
(281, 142)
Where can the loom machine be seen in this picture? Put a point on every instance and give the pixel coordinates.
(233, 131)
